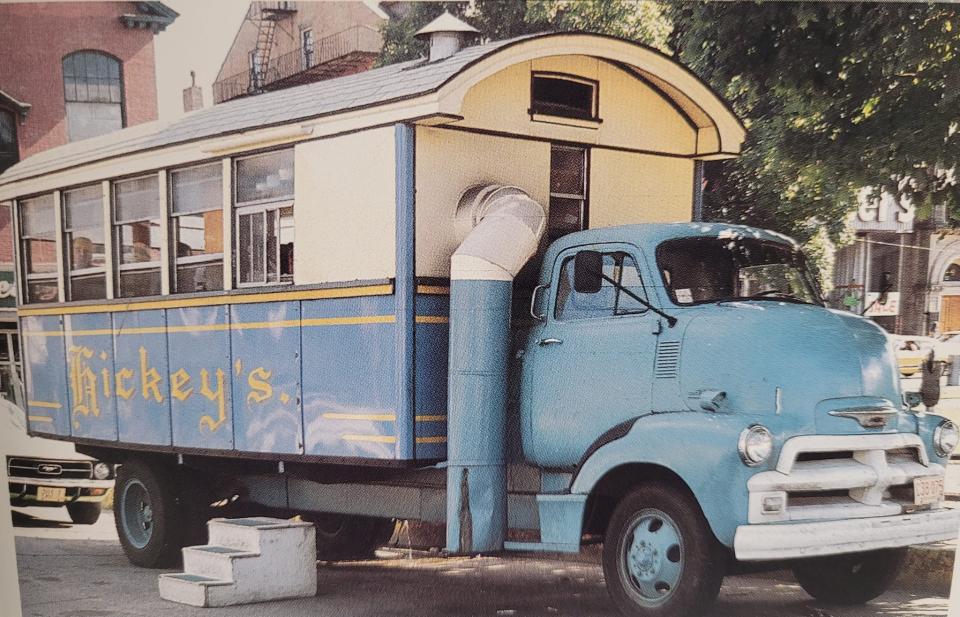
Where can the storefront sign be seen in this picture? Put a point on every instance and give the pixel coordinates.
(883, 213)
(890, 308)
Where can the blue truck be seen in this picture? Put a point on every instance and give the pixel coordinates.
(445, 291)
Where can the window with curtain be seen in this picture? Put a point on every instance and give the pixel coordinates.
(136, 224)
(197, 228)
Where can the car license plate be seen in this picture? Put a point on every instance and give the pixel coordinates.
(927, 490)
(51, 493)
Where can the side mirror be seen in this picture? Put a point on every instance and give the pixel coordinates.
(587, 270)
(912, 399)
(930, 381)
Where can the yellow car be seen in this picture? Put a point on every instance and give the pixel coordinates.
(911, 352)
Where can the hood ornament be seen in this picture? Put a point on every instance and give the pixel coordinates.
(868, 416)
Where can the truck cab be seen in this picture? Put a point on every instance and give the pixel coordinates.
(711, 409)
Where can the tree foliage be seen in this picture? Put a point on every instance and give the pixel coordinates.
(641, 21)
(836, 97)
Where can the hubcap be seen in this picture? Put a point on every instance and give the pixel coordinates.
(136, 514)
(651, 556)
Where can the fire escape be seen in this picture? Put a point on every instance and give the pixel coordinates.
(265, 15)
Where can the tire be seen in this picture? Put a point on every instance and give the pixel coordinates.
(660, 558)
(151, 521)
(850, 579)
(84, 513)
(342, 537)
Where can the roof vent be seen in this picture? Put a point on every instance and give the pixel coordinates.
(447, 35)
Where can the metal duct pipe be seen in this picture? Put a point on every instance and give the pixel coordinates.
(500, 229)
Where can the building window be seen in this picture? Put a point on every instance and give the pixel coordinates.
(563, 95)
(93, 91)
(568, 191)
(197, 228)
(264, 218)
(9, 150)
(38, 248)
(307, 47)
(136, 225)
(952, 275)
(83, 237)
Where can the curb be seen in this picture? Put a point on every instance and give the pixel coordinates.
(929, 566)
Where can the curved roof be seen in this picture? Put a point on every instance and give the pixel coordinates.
(442, 83)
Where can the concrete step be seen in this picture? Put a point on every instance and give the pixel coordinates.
(218, 562)
(247, 560)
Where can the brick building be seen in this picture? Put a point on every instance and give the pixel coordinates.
(282, 44)
(68, 71)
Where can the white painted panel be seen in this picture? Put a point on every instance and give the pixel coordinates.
(345, 208)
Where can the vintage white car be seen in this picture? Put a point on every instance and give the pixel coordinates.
(50, 473)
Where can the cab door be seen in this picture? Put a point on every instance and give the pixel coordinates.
(588, 366)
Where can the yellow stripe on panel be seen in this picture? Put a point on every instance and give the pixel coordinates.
(279, 296)
(432, 319)
(438, 439)
(431, 418)
(44, 404)
(375, 438)
(40, 418)
(433, 290)
(382, 417)
(289, 323)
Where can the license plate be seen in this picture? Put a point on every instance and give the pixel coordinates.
(927, 491)
(51, 493)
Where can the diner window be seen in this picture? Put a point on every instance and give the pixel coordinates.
(563, 95)
(38, 248)
(11, 370)
(197, 228)
(568, 191)
(264, 218)
(136, 224)
(93, 92)
(83, 238)
(9, 150)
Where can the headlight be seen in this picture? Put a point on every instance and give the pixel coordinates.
(756, 445)
(945, 438)
(101, 471)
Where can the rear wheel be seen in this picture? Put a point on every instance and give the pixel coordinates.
(150, 519)
(344, 537)
(660, 558)
(849, 579)
(84, 513)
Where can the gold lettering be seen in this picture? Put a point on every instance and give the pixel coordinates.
(260, 388)
(177, 381)
(106, 382)
(212, 395)
(122, 391)
(149, 378)
(83, 381)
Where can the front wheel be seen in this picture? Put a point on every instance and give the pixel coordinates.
(856, 578)
(660, 558)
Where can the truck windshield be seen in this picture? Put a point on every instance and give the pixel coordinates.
(698, 270)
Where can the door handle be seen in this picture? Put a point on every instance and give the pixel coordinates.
(549, 341)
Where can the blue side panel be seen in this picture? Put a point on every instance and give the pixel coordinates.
(266, 377)
(432, 345)
(405, 288)
(142, 377)
(89, 345)
(198, 340)
(349, 406)
(46, 375)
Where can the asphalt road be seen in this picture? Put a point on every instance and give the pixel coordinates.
(80, 571)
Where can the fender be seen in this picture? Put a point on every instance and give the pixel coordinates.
(701, 448)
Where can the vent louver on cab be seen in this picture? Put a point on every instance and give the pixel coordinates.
(668, 360)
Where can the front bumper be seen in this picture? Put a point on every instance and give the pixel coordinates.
(23, 491)
(774, 542)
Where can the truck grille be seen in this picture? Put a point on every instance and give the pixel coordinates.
(41, 468)
(837, 476)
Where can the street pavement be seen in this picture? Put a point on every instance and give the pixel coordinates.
(80, 571)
